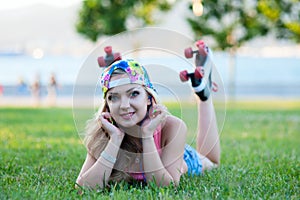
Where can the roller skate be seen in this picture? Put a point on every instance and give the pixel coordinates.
(109, 58)
(201, 77)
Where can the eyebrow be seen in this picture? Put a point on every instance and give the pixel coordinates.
(127, 91)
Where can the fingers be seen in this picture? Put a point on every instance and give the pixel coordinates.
(157, 116)
(157, 110)
(105, 114)
(105, 119)
(108, 125)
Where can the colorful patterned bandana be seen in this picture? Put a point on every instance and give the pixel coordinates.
(136, 74)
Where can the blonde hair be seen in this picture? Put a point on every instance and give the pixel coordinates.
(96, 139)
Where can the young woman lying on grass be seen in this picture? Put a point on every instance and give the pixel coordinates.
(133, 137)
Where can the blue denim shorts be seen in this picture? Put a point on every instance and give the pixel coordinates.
(193, 161)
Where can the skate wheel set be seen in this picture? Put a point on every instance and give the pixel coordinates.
(109, 58)
(185, 76)
(201, 55)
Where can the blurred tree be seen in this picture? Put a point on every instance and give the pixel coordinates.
(108, 17)
(229, 24)
(283, 17)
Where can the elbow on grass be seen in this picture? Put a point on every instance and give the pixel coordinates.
(78, 183)
(83, 184)
(163, 182)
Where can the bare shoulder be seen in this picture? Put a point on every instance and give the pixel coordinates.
(174, 127)
(174, 122)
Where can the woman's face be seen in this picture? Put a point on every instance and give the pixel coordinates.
(127, 104)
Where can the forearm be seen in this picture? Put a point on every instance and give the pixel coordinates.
(98, 175)
(153, 166)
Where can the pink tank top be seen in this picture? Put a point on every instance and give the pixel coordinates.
(157, 141)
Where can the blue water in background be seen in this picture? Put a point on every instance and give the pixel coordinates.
(278, 77)
(14, 67)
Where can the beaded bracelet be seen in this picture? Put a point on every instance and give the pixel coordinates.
(108, 157)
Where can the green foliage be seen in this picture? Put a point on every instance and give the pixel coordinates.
(284, 16)
(109, 17)
(230, 23)
(41, 156)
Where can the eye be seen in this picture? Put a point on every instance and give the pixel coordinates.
(112, 98)
(134, 93)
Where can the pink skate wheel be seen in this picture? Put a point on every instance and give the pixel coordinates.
(200, 43)
(108, 50)
(117, 56)
(199, 73)
(101, 61)
(188, 52)
(184, 76)
(202, 51)
(202, 48)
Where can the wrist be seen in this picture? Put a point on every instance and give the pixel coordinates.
(106, 160)
(117, 138)
(147, 134)
(108, 157)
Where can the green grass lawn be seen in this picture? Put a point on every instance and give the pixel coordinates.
(41, 155)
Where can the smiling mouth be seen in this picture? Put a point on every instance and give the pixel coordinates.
(127, 115)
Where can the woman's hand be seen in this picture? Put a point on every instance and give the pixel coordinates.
(107, 124)
(157, 116)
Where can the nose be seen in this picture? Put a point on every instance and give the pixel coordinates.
(125, 103)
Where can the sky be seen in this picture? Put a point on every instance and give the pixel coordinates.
(10, 4)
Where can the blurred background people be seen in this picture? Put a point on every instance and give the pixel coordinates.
(22, 87)
(52, 90)
(1, 90)
(36, 91)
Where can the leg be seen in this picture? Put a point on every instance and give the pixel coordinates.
(208, 143)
